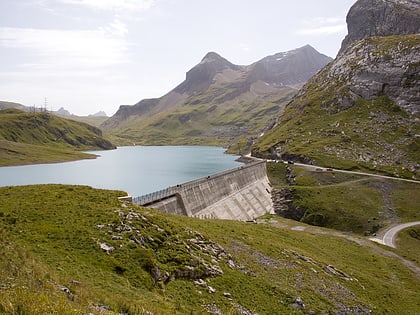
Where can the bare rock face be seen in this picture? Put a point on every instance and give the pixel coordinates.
(289, 68)
(200, 77)
(380, 55)
(368, 18)
(370, 68)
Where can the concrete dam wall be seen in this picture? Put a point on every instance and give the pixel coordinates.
(242, 193)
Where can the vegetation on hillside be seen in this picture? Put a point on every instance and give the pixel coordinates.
(348, 202)
(202, 120)
(27, 138)
(76, 250)
(330, 125)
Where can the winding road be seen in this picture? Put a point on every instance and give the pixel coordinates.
(390, 235)
(388, 238)
(321, 168)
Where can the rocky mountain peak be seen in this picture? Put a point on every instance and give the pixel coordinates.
(200, 77)
(292, 67)
(213, 57)
(99, 114)
(62, 112)
(368, 18)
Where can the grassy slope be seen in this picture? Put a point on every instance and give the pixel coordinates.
(40, 138)
(50, 241)
(348, 202)
(348, 139)
(203, 119)
(408, 244)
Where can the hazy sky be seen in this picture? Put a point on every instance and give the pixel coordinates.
(92, 55)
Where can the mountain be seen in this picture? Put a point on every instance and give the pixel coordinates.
(362, 110)
(62, 112)
(42, 137)
(369, 18)
(218, 101)
(98, 114)
(6, 104)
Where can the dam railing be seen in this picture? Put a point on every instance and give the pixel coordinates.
(173, 190)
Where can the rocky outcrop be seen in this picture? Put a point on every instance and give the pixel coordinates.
(375, 59)
(369, 68)
(283, 204)
(189, 255)
(368, 18)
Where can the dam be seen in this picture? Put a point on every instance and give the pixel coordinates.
(242, 193)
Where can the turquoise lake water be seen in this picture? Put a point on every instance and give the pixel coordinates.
(137, 170)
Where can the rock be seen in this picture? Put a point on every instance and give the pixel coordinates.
(227, 294)
(213, 309)
(298, 304)
(68, 292)
(243, 311)
(120, 213)
(368, 18)
(75, 282)
(156, 274)
(201, 283)
(283, 204)
(211, 289)
(332, 270)
(139, 240)
(106, 248)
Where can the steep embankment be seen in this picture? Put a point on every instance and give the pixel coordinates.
(41, 137)
(77, 250)
(362, 110)
(218, 102)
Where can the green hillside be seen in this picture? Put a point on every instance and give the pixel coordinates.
(203, 119)
(41, 137)
(77, 250)
(329, 124)
(347, 202)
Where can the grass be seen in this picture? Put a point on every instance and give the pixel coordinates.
(408, 244)
(349, 202)
(347, 136)
(27, 138)
(50, 240)
(211, 117)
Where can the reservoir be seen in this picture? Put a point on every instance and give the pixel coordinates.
(137, 170)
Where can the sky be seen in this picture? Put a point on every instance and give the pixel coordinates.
(95, 55)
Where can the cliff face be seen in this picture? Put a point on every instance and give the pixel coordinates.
(375, 59)
(369, 68)
(368, 18)
(363, 109)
